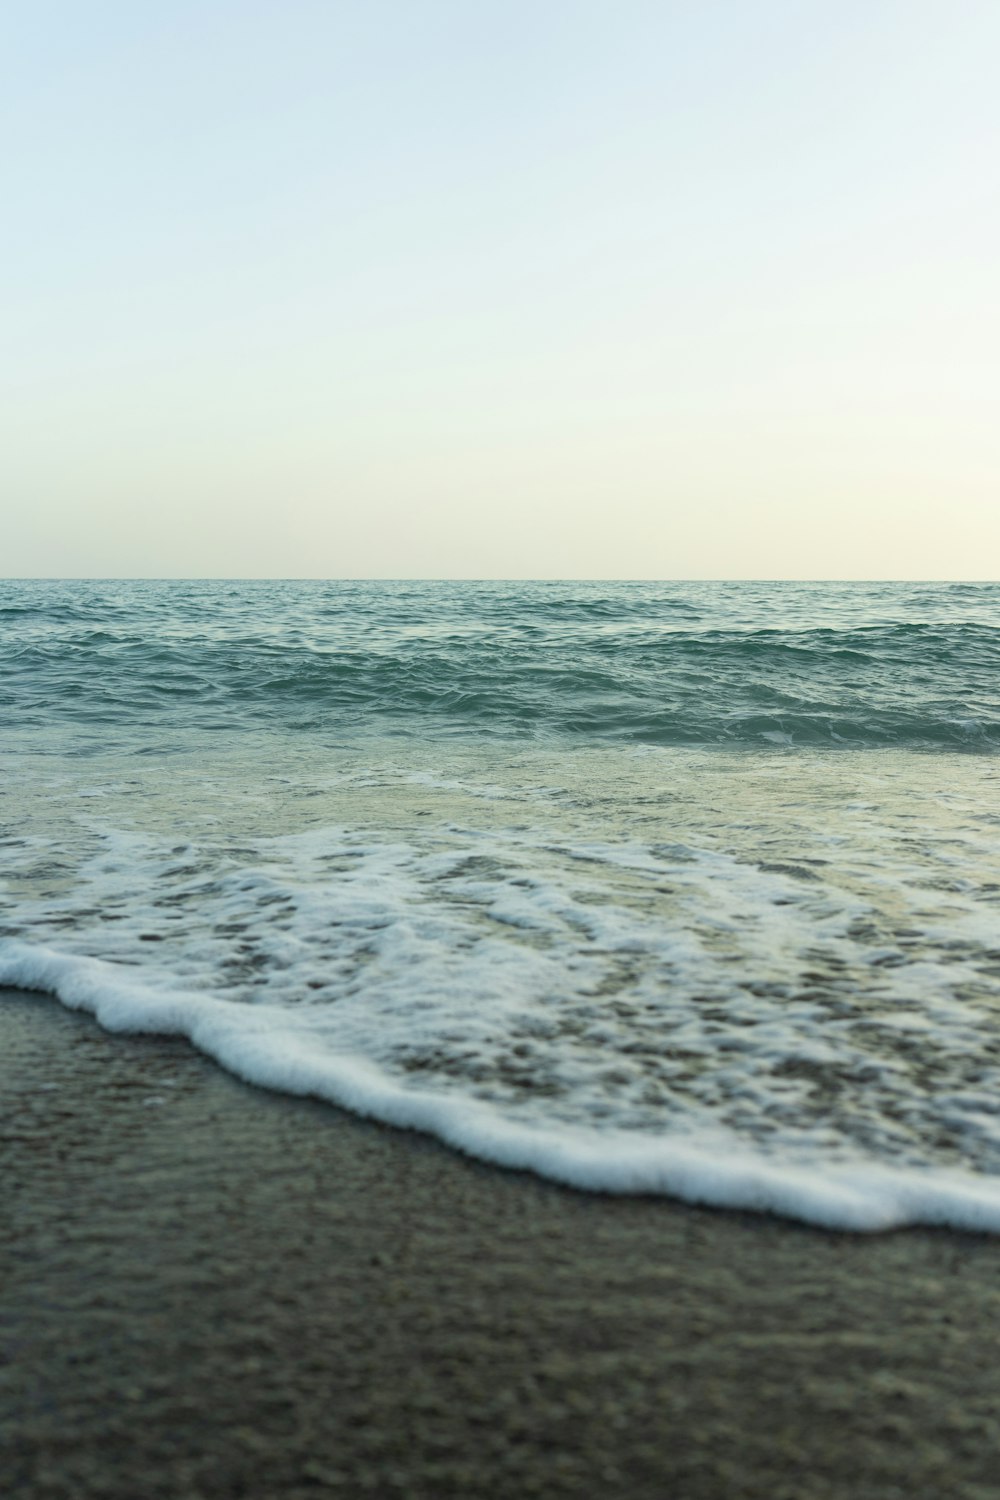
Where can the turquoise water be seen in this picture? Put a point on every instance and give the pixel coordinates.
(669, 664)
(684, 888)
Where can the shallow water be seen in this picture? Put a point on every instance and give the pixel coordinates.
(679, 888)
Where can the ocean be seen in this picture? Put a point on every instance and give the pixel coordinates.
(666, 888)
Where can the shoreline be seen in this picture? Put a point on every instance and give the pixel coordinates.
(210, 1290)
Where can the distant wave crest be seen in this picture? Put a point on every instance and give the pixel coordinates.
(668, 665)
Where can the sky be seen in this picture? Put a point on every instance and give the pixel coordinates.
(488, 288)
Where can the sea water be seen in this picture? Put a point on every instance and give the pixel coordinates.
(681, 888)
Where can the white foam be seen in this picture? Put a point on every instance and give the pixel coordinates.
(792, 973)
(265, 1045)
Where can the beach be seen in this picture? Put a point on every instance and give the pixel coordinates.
(210, 1290)
(500, 746)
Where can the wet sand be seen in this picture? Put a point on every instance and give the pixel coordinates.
(211, 1291)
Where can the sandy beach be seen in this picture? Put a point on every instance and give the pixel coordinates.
(209, 1291)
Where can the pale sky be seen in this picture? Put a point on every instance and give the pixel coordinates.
(489, 288)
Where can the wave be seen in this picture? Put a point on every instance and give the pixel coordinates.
(623, 664)
(263, 1046)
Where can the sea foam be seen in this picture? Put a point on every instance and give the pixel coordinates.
(265, 1047)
